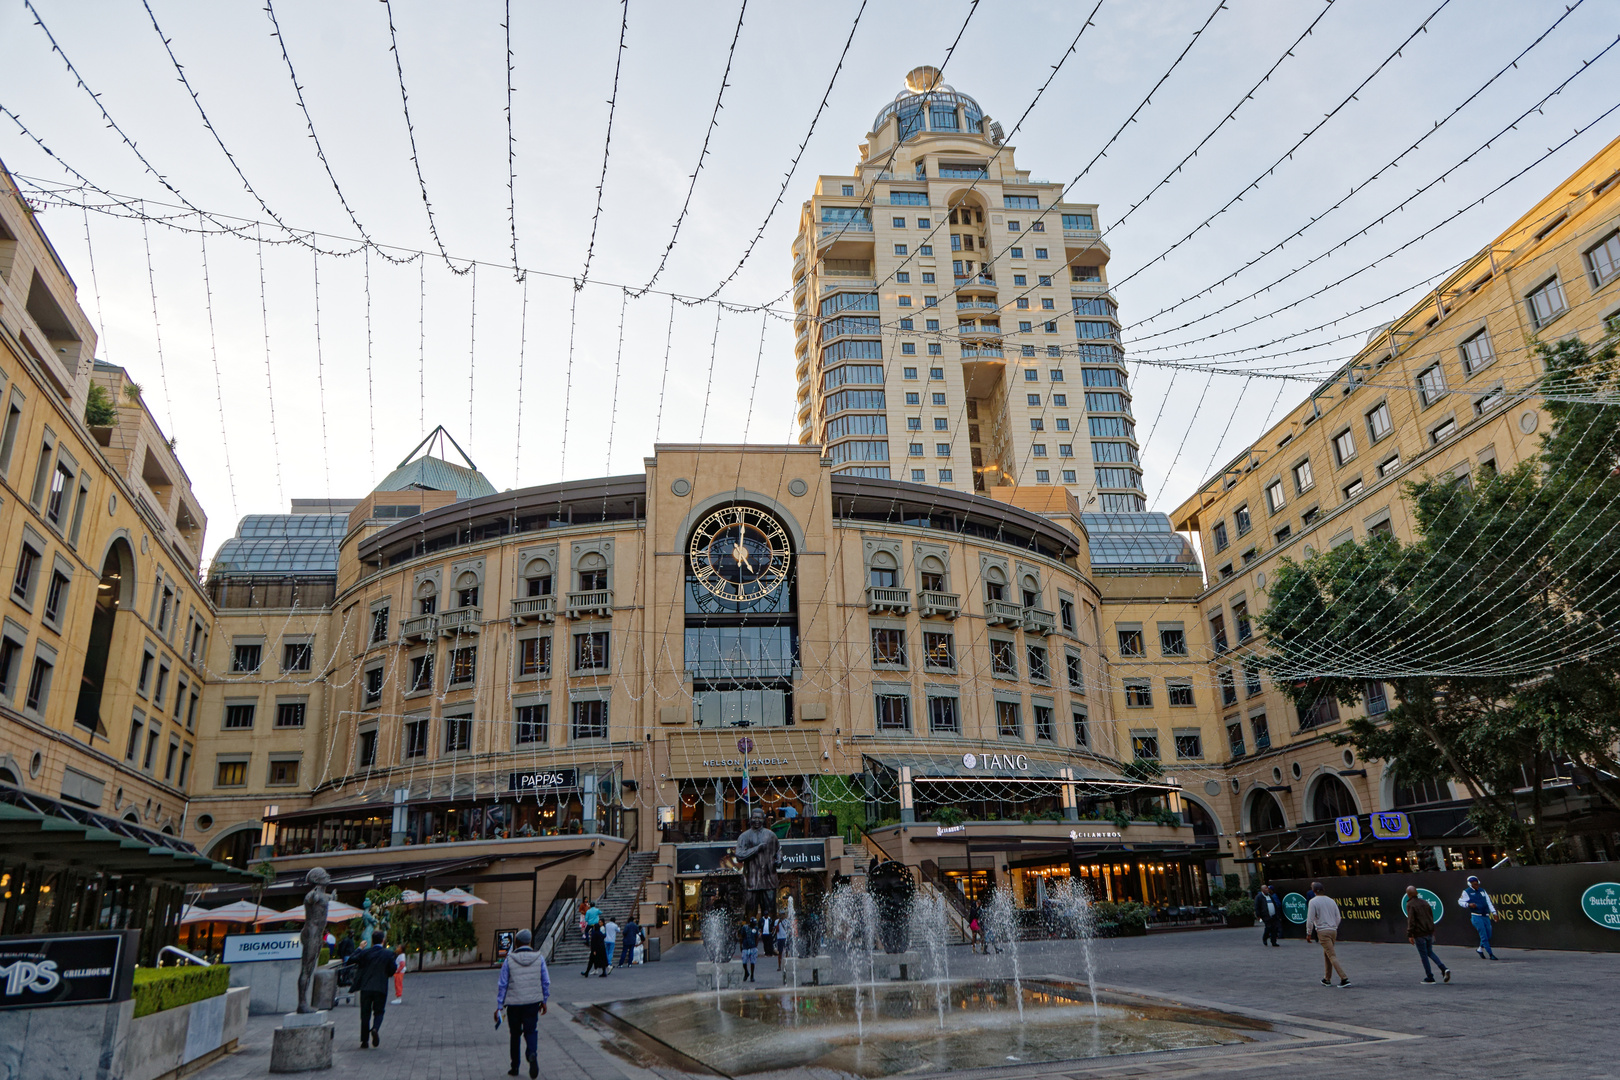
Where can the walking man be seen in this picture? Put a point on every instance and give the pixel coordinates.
(524, 986)
(1269, 908)
(1481, 912)
(630, 941)
(1420, 932)
(782, 941)
(598, 956)
(1322, 924)
(610, 938)
(748, 938)
(374, 966)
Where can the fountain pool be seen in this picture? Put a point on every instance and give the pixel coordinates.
(898, 1030)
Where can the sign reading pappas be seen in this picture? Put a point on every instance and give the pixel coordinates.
(67, 969)
(543, 780)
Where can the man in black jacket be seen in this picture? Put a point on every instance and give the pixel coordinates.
(1268, 908)
(374, 966)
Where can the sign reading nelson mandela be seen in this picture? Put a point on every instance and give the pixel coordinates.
(67, 969)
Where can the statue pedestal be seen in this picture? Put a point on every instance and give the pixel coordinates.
(323, 989)
(303, 1043)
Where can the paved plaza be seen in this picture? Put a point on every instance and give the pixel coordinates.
(1543, 1014)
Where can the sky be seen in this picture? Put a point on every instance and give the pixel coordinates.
(318, 376)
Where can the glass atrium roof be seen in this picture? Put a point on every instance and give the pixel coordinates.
(283, 544)
(1136, 540)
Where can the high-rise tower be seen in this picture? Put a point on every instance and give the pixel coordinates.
(953, 316)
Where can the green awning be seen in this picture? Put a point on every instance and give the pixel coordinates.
(38, 829)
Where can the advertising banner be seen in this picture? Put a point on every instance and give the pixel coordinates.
(1541, 907)
(67, 969)
(256, 948)
(795, 856)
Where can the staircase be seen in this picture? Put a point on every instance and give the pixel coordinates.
(617, 903)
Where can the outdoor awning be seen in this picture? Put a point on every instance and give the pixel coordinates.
(44, 830)
(349, 877)
(999, 767)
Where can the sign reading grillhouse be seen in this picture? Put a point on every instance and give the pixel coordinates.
(792, 855)
(997, 762)
(738, 763)
(257, 948)
(543, 780)
(67, 969)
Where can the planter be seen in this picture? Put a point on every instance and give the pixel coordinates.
(440, 958)
(185, 1037)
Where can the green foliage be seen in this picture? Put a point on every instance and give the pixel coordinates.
(1166, 816)
(1127, 917)
(1218, 896)
(1120, 819)
(99, 410)
(1485, 625)
(1144, 770)
(411, 935)
(1232, 885)
(157, 989)
(1240, 912)
(132, 390)
(948, 815)
(835, 795)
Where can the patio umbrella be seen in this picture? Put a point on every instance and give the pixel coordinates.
(339, 912)
(438, 896)
(461, 896)
(410, 896)
(270, 915)
(336, 912)
(243, 911)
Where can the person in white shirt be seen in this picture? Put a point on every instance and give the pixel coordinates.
(610, 934)
(1322, 923)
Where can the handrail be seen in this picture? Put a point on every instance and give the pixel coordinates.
(190, 958)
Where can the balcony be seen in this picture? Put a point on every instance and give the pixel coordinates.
(543, 608)
(984, 331)
(830, 231)
(977, 305)
(419, 628)
(974, 281)
(460, 621)
(1039, 621)
(590, 602)
(1089, 288)
(982, 352)
(1003, 613)
(946, 605)
(894, 601)
(831, 282)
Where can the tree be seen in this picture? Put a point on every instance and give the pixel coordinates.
(1498, 627)
(99, 410)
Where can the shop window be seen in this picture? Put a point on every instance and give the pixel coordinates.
(1009, 720)
(893, 712)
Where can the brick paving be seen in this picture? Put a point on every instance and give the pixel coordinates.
(1535, 1013)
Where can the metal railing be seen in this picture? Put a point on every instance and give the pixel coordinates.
(985, 350)
(1003, 611)
(190, 958)
(1040, 621)
(938, 603)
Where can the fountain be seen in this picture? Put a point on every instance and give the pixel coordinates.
(1002, 915)
(883, 1021)
(1072, 900)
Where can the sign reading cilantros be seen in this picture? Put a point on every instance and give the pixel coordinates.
(254, 948)
(67, 969)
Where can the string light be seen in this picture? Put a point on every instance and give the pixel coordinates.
(511, 146)
(157, 334)
(410, 130)
(607, 143)
(320, 372)
(269, 387)
(714, 121)
(213, 352)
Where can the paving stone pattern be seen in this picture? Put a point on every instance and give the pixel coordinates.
(1533, 1014)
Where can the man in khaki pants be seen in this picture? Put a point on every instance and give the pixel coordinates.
(1322, 924)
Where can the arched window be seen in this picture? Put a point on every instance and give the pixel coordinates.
(467, 589)
(537, 578)
(593, 572)
(884, 571)
(1195, 815)
(427, 598)
(1331, 799)
(933, 574)
(1265, 813)
(116, 592)
(995, 584)
(1031, 590)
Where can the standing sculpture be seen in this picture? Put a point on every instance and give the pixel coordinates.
(757, 850)
(368, 922)
(313, 936)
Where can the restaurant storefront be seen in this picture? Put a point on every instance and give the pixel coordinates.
(709, 878)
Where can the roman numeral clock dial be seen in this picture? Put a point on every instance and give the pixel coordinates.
(739, 554)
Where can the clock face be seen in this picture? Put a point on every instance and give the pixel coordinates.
(739, 553)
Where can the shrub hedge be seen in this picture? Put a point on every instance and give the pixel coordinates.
(157, 989)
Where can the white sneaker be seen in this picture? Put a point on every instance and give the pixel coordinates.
(396, 1001)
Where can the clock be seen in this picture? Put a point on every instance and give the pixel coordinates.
(739, 554)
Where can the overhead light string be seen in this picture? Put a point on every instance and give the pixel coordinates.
(320, 372)
(669, 342)
(219, 384)
(607, 142)
(269, 387)
(157, 334)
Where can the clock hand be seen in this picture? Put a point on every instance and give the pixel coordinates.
(740, 554)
